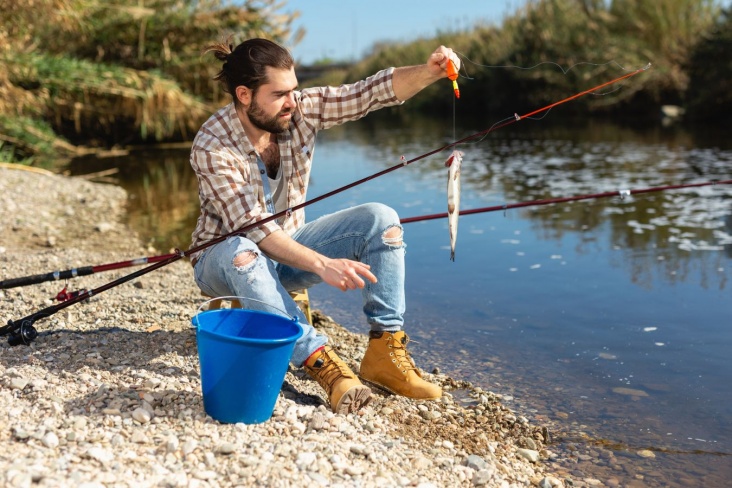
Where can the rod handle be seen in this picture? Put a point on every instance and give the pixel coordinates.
(41, 278)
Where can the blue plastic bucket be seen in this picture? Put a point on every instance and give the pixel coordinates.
(244, 356)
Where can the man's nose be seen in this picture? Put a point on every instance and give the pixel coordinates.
(290, 101)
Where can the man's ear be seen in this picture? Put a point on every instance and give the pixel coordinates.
(244, 95)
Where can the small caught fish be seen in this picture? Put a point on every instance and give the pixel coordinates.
(453, 197)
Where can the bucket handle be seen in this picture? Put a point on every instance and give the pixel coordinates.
(231, 297)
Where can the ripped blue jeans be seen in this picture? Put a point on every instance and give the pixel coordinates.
(356, 233)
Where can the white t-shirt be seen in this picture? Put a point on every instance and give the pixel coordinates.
(279, 193)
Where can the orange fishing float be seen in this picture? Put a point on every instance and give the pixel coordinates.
(453, 76)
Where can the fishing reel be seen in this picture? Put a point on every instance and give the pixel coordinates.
(65, 295)
(23, 333)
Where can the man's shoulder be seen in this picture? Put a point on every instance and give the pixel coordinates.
(217, 127)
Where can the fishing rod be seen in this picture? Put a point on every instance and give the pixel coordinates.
(22, 331)
(76, 272)
(550, 201)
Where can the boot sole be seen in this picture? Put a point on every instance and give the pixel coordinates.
(354, 400)
(389, 390)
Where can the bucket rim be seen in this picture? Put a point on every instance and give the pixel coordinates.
(239, 298)
(292, 321)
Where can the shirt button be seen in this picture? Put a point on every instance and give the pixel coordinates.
(261, 171)
(269, 202)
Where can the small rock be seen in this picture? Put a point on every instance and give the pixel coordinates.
(475, 462)
(99, 454)
(305, 459)
(18, 383)
(103, 227)
(317, 421)
(226, 448)
(139, 437)
(550, 482)
(430, 414)
(171, 443)
(204, 474)
(20, 433)
(483, 477)
(354, 470)
(141, 415)
(528, 454)
(50, 440)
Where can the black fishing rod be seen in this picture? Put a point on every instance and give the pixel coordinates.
(550, 201)
(23, 331)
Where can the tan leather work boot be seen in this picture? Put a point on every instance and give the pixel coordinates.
(387, 364)
(345, 391)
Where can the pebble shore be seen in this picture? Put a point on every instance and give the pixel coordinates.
(109, 394)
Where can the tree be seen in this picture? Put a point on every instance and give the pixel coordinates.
(710, 73)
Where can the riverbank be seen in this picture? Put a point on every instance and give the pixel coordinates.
(109, 393)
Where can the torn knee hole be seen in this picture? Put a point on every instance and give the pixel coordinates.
(393, 236)
(244, 259)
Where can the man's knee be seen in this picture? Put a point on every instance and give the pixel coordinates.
(243, 260)
(393, 236)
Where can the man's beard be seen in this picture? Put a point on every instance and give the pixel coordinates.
(262, 121)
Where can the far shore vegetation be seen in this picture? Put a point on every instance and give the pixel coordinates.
(79, 76)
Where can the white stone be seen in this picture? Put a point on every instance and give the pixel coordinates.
(50, 440)
(529, 454)
(99, 454)
(141, 415)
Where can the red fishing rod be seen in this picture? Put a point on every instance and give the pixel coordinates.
(22, 331)
(76, 272)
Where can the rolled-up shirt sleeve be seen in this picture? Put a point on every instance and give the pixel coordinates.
(327, 106)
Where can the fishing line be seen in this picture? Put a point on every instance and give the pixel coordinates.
(22, 331)
(454, 118)
(565, 71)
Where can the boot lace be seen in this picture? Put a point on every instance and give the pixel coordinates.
(400, 357)
(330, 371)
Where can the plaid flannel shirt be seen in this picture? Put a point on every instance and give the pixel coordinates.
(230, 187)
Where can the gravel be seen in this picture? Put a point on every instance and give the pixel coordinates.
(109, 394)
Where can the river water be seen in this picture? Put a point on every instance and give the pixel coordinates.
(609, 319)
